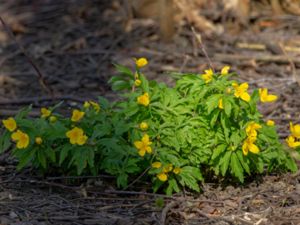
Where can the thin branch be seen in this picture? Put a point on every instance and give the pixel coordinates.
(31, 62)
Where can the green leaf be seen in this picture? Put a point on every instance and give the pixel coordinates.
(124, 70)
(5, 141)
(120, 85)
(50, 154)
(212, 102)
(236, 167)
(189, 176)
(122, 180)
(41, 158)
(25, 157)
(172, 187)
(218, 150)
(225, 162)
(64, 153)
(23, 112)
(227, 106)
(244, 162)
(145, 84)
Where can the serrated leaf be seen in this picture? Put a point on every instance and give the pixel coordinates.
(5, 142)
(236, 167)
(218, 150)
(42, 159)
(64, 153)
(225, 162)
(172, 187)
(124, 70)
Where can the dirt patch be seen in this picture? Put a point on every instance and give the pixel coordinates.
(73, 44)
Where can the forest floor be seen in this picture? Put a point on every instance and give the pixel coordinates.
(74, 43)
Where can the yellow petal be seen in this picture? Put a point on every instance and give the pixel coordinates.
(244, 86)
(245, 96)
(176, 170)
(253, 148)
(142, 152)
(225, 70)
(149, 150)
(141, 62)
(156, 165)
(245, 148)
(138, 144)
(16, 135)
(82, 140)
(10, 124)
(220, 104)
(270, 123)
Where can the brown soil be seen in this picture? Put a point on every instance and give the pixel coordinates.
(73, 45)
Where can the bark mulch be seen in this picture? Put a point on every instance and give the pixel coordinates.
(63, 50)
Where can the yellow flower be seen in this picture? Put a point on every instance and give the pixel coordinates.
(220, 104)
(143, 146)
(144, 126)
(270, 123)
(86, 105)
(76, 115)
(136, 75)
(290, 140)
(176, 170)
(208, 75)
(52, 119)
(10, 124)
(45, 112)
(96, 106)
(137, 82)
(249, 145)
(168, 168)
(141, 62)
(21, 138)
(265, 97)
(162, 177)
(251, 129)
(295, 130)
(76, 136)
(38, 140)
(228, 90)
(156, 165)
(143, 99)
(225, 70)
(241, 91)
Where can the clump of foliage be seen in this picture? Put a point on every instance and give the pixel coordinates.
(206, 124)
